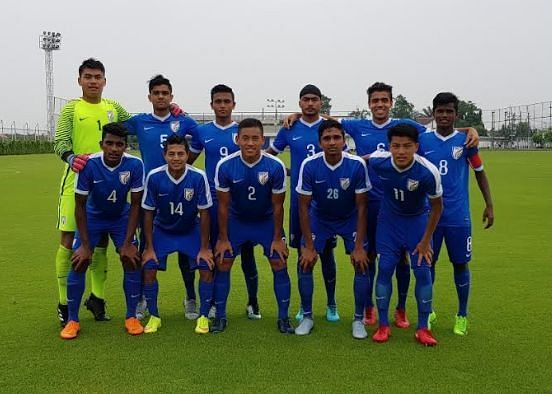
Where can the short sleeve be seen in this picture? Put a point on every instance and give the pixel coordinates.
(280, 142)
(137, 177)
(204, 193)
(362, 182)
(279, 178)
(304, 185)
(83, 181)
(148, 199)
(221, 178)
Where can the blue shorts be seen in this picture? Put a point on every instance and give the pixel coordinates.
(295, 234)
(458, 241)
(97, 227)
(165, 243)
(213, 223)
(241, 233)
(396, 234)
(327, 230)
(372, 224)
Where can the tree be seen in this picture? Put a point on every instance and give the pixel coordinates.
(403, 109)
(359, 113)
(427, 111)
(326, 106)
(470, 115)
(538, 139)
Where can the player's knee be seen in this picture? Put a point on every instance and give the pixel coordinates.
(67, 238)
(459, 267)
(225, 265)
(277, 265)
(150, 276)
(205, 275)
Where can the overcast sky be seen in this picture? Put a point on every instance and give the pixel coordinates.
(495, 53)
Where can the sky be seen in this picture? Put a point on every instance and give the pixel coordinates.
(494, 53)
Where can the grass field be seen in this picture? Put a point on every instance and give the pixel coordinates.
(508, 349)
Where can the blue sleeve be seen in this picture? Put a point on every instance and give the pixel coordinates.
(148, 200)
(196, 144)
(279, 178)
(137, 177)
(472, 151)
(188, 126)
(221, 178)
(281, 141)
(132, 125)
(433, 187)
(304, 185)
(350, 126)
(361, 180)
(204, 200)
(83, 181)
(419, 127)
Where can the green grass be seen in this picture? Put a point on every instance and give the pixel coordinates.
(509, 347)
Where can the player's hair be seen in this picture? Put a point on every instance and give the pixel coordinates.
(251, 122)
(157, 81)
(175, 139)
(445, 98)
(116, 128)
(380, 87)
(403, 130)
(221, 89)
(328, 124)
(93, 64)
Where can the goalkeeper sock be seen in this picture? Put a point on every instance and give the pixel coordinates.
(63, 265)
(98, 272)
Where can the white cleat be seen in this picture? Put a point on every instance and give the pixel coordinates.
(359, 331)
(212, 312)
(305, 327)
(141, 308)
(190, 309)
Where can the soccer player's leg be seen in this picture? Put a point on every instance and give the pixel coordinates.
(95, 303)
(295, 237)
(370, 317)
(251, 275)
(329, 274)
(402, 273)
(438, 237)
(188, 277)
(151, 291)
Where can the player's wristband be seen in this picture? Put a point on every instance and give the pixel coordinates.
(70, 159)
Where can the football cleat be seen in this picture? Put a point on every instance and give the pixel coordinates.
(71, 330)
(285, 327)
(97, 307)
(425, 337)
(202, 325)
(305, 327)
(212, 312)
(370, 316)
(141, 308)
(219, 325)
(331, 313)
(359, 331)
(190, 309)
(461, 325)
(133, 326)
(63, 314)
(153, 325)
(401, 321)
(382, 334)
(253, 312)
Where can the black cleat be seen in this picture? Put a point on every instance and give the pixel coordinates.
(97, 307)
(285, 327)
(63, 314)
(219, 325)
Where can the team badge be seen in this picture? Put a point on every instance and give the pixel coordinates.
(110, 116)
(262, 177)
(188, 194)
(175, 126)
(235, 138)
(412, 184)
(124, 177)
(345, 182)
(457, 152)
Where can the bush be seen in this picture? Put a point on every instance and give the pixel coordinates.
(22, 147)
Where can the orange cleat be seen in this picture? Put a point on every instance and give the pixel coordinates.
(133, 326)
(382, 334)
(369, 316)
(401, 321)
(425, 337)
(71, 330)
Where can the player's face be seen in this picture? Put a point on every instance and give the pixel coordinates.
(310, 104)
(402, 149)
(332, 141)
(223, 104)
(113, 148)
(176, 157)
(250, 141)
(380, 104)
(92, 82)
(445, 115)
(160, 97)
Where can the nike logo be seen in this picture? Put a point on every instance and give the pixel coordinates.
(463, 284)
(95, 181)
(148, 128)
(86, 117)
(320, 181)
(380, 298)
(209, 140)
(468, 254)
(426, 301)
(296, 138)
(365, 134)
(163, 194)
(237, 180)
(429, 151)
(383, 179)
(134, 295)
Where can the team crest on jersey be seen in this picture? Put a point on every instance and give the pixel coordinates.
(345, 182)
(457, 152)
(110, 116)
(124, 177)
(175, 126)
(188, 194)
(262, 177)
(412, 184)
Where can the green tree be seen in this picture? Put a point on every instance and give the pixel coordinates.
(326, 105)
(538, 139)
(359, 113)
(470, 115)
(427, 111)
(403, 109)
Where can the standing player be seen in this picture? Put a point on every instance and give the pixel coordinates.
(444, 148)
(251, 187)
(303, 140)
(407, 180)
(334, 186)
(79, 129)
(176, 193)
(218, 139)
(101, 193)
(152, 130)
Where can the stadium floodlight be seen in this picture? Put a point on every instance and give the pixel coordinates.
(275, 103)
(49, 41)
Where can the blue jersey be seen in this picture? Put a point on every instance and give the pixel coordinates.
(152, 131)
(218, 142)
(302, 139)
(251, 186)
(333, 187)
(452, 159)
(176, 201)
(405, 191)
(107, 188)
(370, 137)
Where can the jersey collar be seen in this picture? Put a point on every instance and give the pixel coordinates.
(332, 167)
(310, 124)
(173, 180)
(251, 165)
(111, 168)
(445, 138)
(162, 119)
(401, 170)
(383, 125)
(223, 127)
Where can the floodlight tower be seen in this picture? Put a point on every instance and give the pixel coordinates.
(49, 41)
(275, 103)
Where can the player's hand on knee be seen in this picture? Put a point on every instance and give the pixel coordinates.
(221, 248)
(308, 257)
(130, 256)
(359, 259)
(77, 162)
(280, 248)
(81, 259)
(488, 217)
(207, 256)
(148, 255)
(424, 250)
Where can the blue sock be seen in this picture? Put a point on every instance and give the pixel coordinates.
(424, 294)
(327, 261)
(249, 268)
(432, 271)
(306, 288)
(402, 273)
(360, 288)
(282, 290)
(372, 275)
(221, 291)
(151, 292)
(462, 281)
(132, 281)
(384, 287)
(205, 296)
(188, 276)
(75, 289)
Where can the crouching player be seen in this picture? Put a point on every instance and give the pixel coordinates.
(334, 184)
(101, 191)
(173, 195)
(251, 187)
(404, 224)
